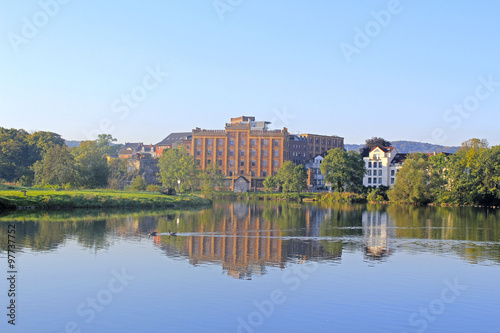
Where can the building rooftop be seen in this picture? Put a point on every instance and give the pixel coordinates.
(174, 137)
(384, 149)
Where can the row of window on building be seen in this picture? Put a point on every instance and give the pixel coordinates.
(253, 142)
(375, 164)
(379, 180)
(242, 152)
(323, 141)
(374, 172)
(252, 173)
(242, 163)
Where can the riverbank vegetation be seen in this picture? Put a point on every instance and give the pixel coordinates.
(470, 177)
(64, 199)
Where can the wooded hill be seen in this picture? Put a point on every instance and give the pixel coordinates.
(412, 147)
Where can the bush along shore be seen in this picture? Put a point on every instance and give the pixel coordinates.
(30, 198)
(343, 197)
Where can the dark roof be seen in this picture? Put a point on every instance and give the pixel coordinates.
(244, 178)
(131, 145)
(294, 137)
(174, 137)
(399, 158)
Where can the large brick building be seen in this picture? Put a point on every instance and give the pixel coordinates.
(247, 148)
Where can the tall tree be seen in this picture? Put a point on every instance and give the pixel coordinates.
(372, 143)
(290, 177)
(41, 141)
(270, 183)
(473, 175)
(176, 165)
(14, 154)
(106, 145)
(91, 165)
(56, 168)
(345, 171)
(415, 183)
(211, 178)
(299, 178)
(117, 173)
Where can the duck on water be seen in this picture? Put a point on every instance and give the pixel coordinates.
(154, 233)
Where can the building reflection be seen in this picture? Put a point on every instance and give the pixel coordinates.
(378, 233)
(245, 242)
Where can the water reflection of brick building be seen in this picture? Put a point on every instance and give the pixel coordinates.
(245, 243)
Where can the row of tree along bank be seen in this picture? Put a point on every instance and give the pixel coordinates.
(470, 177)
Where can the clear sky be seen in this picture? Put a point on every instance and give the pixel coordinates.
(408, 70)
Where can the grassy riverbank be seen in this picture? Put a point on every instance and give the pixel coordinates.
(50, 199)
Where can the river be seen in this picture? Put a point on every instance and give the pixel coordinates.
(254, 267)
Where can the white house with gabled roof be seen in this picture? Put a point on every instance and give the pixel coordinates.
(382, 165)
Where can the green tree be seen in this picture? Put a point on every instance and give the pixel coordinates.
(473, 175)
(91, 164)
(372, 143)
(41, 141)
(284, 177)
(139, 184)
(19, 150)
(117, 173)
(211, 178)
(270, 183)
(343, 170)
(177, 165)
(299, 178)
(15, 159)
(415, 183)
(290, 177)
(56, 168)
(106, 146)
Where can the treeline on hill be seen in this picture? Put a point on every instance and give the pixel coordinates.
(471, 176)
(410, 147)
(43, 158)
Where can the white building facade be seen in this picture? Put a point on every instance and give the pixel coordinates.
(382, 164)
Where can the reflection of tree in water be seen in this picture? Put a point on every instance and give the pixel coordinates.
(444, 230)
(244, 238)
(46, 235)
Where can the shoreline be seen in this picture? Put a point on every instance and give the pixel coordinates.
(40, 199)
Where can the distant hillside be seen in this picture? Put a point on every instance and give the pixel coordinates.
(72, 143)
(75, 143)
(412, 147)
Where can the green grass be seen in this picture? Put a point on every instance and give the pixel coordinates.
(61, 199)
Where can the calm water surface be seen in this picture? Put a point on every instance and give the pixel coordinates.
(258, 267)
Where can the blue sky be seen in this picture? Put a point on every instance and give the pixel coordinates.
(425, 71)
